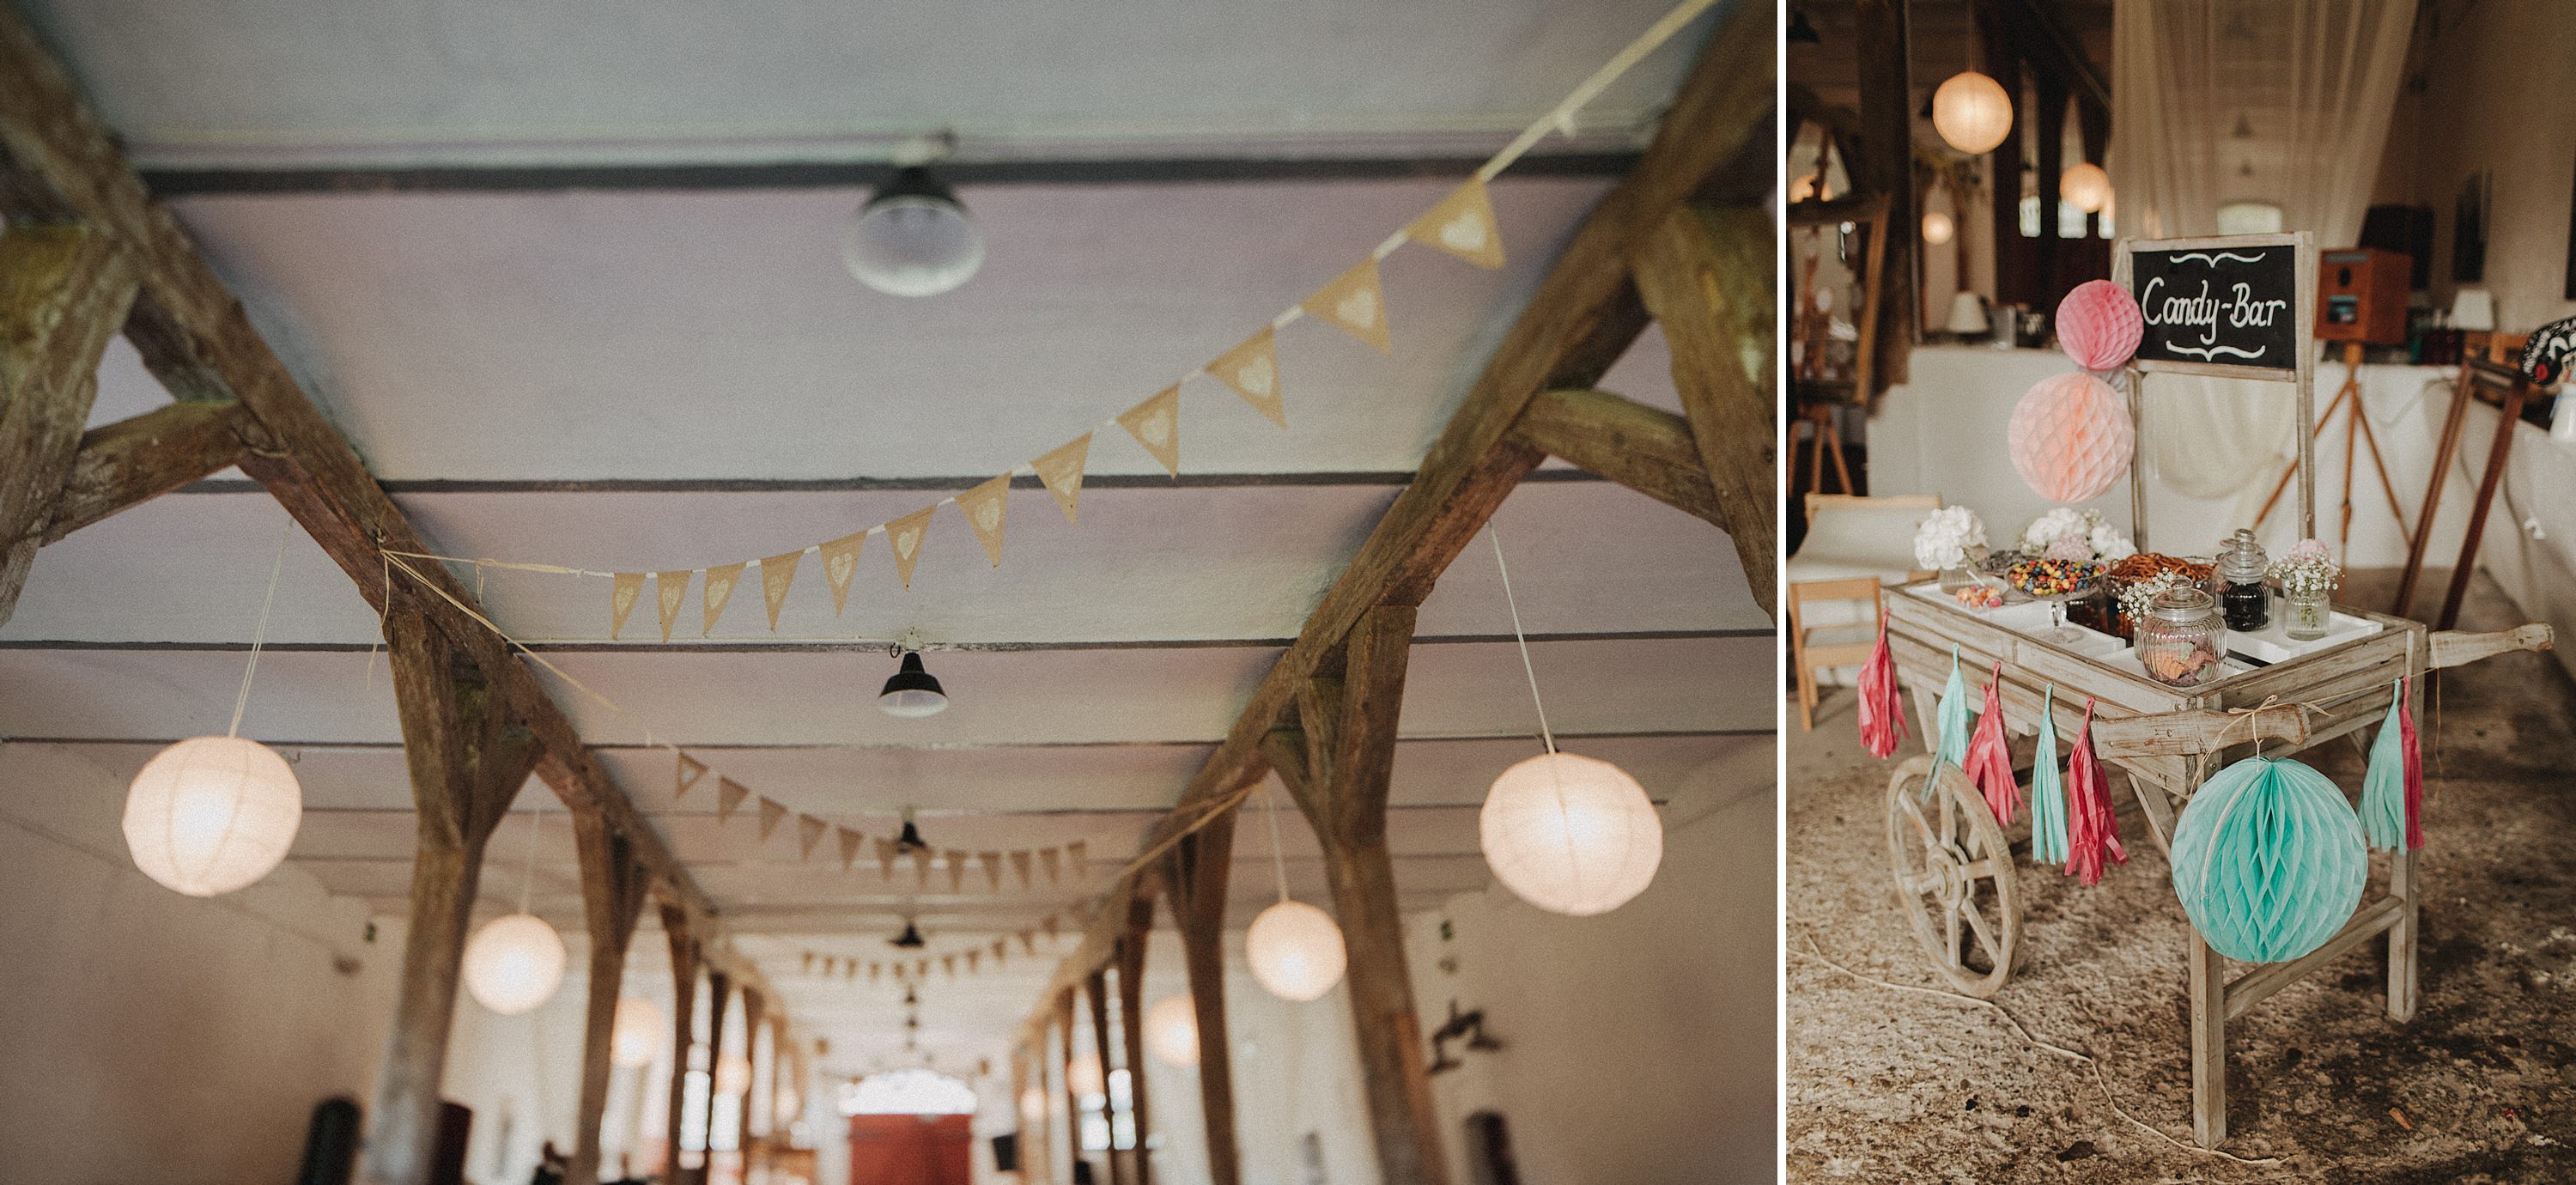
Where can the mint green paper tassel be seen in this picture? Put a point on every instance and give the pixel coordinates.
(2383, 785)
(2047, 790)
(1950, 724)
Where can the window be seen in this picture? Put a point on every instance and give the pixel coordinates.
(907, 1092)
(2249, 218)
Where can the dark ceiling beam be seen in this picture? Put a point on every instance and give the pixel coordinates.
(863, 646)
(861, 485)
(2041, 35)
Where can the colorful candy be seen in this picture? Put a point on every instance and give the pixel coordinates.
(2051, 577)
(1980, 596)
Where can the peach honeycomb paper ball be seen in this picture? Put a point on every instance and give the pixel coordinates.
(2071, 438)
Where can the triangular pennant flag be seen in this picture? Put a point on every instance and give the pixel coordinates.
(776, 573)
(1462, 225)
(885, 858)
(621, 600)
(948, 965)
(956, 861)
(1047, 859)
(670, 588)
(1001, 951)
(1156, 424)
(992, 862)
(840, 562)
(808, 964)
(1048, 924)
(921, 869)
(729, 796)
(1075, 854)
(719, 590)
(771, 811)
(851, 842)
(2047, 788)
(873, 969)
(986, 507)
(1020, 867)
(829, 963)
(809, 831)
(1252, 369)
(1029, 941)
(973, 957)
(1061, 470)
(691, 769)
(904, 534)
(921, 968)
(1356, 305)
(849, 968)
(901, 973)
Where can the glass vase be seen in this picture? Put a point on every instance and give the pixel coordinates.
(2304, 615)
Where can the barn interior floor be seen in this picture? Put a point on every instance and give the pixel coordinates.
(1894, 1084)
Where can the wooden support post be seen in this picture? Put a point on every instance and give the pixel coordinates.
(1706, 275)
(1646, 449)
(1194, 875)
(1096, 987)
(684, 1010)
(755, 1013)
(719, 999)
(469, 754)
(1885, 167)
(1064, 1075)
(137, 459)
(612, 896)
(64, 291)
(1131, 1025)
(2208, 1043)
(1337, 768)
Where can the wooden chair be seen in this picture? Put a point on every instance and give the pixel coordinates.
(1807, 657)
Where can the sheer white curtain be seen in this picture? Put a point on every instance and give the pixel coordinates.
(2218, 101)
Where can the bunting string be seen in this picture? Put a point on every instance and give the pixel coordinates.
(1025, 943)
(1460, 224)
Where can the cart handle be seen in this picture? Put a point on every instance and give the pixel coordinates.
(2452, 648)
(2192, 733)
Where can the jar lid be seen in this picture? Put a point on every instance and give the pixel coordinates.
(2183, 603)
(2242, 558)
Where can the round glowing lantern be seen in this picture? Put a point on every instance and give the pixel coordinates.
(1972, 112)
(1938, 227)
(1571, 835)
(1084, 1076)
(733, 1074)
(514, 963)
(635, 1034)
(1172, 1031)
(2085, 186)
(212, 814)
(1033, 1105)
(1295, 951)
(2099, 325)
(2071, 438)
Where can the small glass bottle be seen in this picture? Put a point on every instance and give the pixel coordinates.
(2305, 617)
(2178, 639)
(2242, 596)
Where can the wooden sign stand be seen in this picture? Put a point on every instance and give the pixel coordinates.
(2300, 370)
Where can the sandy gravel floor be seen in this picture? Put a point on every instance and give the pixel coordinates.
(1886, 1085)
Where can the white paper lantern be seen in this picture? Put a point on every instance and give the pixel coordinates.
(790, 1104)
(212, 814)
(514, 963)
(636, 1034)
(1085, 1076)
(733, 1074)
(1937, 227)
(1033, 1105)
(1172, 1031)
(1571, 835)
(1295, 951)
(2085, 186)
(1972, 112)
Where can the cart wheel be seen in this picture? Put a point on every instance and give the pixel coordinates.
(1954, 876)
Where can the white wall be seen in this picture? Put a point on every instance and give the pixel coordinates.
(150, 1036)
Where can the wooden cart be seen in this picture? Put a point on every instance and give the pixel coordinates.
(1953, 862)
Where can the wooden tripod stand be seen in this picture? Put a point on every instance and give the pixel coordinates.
(2356, 431)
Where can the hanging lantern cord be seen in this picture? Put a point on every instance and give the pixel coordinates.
(259, 637)
(1515, 606)
(1278, 862)
(528, 881)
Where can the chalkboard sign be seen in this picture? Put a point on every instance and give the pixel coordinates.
(2214, 303)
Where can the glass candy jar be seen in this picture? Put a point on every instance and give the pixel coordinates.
(2178, 639)
(2243, 599)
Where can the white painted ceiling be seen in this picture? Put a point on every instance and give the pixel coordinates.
(623, 378)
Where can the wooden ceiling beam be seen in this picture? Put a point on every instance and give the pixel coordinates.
(1646, 449)
(137, 459)
(64, 290)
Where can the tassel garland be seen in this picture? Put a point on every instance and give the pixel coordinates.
(1950, 723)
(2047, 789)
(1882, 714)
(2414, 770)
(2092, 832)
(1989, 761)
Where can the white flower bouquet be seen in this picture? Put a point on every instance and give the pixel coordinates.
(1948, 538)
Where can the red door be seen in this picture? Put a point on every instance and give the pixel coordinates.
(911, 1149)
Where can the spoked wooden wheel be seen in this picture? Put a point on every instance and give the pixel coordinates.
(1954, 876)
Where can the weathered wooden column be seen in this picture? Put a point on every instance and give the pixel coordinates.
(1194, 881)
(755, 1012)
(1706, 276)
(1337, 766)
(1131, 1023)
(719, 1000)
(64, 291)
(1096, 986)
(1064, 1075)
(613, 888)
(468, 755)
(684, 1007)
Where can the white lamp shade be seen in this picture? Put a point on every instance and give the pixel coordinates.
(1295, 951)
(1172, 1031)
(733, 1074)
(1571, 835)
(1085, 1076)
(2085, 186)
(912, 239)
(212, 814)
(514, 963)
(1967, 313)
(2472, 309)
(1937, 227)
(636, 1033)
(1972, 112)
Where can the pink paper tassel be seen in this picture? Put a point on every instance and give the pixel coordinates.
(1882, 714)
(2092, 832)
(1989, 761)
(2414, 772)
